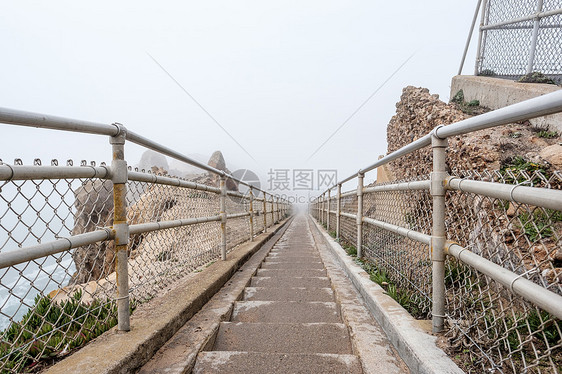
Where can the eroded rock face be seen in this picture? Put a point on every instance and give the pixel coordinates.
(217, 161)
(148, 203)
(94, 209)
(151, 159)
(418, 112)
(493, 233)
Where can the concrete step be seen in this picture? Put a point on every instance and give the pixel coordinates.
(292, 265)
(310, 251)
(291, 272)
(288, 294)
(285, 312)
(283, 337)
(290, 258)
(224, 362)
(307, 282)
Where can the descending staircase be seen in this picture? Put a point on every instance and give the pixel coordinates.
(288, 320)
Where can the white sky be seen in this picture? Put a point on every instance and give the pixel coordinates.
(280, 76)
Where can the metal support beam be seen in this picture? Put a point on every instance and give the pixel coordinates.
(438, 236)
(264, 212)
(359, 220)
(121, 227)
(251, 215)
(222, 185)
(534, 38)
(338, 214)
(328, 212)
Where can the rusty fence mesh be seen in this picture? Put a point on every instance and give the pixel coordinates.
(54, 304)
(489, 328)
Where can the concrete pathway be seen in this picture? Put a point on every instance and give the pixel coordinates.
(293, 318)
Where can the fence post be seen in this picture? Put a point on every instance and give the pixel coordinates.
(222, 185)
(534, 38)
(338, 212)
(264, 212)
(322, 208)
(438, 235)
(251, 215)
(328, 213)
(119, 177)
(481, 39)
(360, 214)
(272, 212)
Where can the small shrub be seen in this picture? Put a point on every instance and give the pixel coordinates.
(547, 134)
(517, 164)
(536, 77)
(538, 224)
(465, 107)
(487, 73)
(49, 328)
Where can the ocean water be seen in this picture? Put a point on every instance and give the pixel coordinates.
(33, 212)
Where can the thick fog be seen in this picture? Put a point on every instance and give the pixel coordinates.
(279, 76)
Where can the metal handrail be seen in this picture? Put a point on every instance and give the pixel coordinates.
(30, 119)
(439, 182)
(536, 107)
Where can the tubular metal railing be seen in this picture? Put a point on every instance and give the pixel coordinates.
(130, 234)
(501, 300)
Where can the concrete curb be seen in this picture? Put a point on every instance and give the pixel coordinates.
(417, 348)
(157, 321)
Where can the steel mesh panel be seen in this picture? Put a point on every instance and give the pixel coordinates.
(505, 50)
(490, 326)
(406, 262)
(42, 309)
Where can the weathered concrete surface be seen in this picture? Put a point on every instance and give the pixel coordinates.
(285, 311)
(496, 93)
(179, 353)
(370, 342)
(289, 294)
(275, 363)
(290, 282)
(415, 346)
(276, 334)
(283, 337)
(157, 321)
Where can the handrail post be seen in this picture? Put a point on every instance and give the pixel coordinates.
(251, 214)
(222, 185)
(534, 38)
(360, 177)
(264, 212)
(323, 208)
(119, 177)
(276, 209)
(338, 212)
(328, 213)
(438, 236)
(272, 212)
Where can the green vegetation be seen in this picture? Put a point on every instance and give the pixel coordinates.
(536, 77)
(465, 107)
(547, 134)
(379, 276)
(48, 329)
(538, 224)
(333, 233)
(517, 164)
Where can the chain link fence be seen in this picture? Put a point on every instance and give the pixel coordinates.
(51, 305)
(489, 328)
(519, 37)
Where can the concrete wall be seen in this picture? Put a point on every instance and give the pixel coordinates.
(496, 93)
